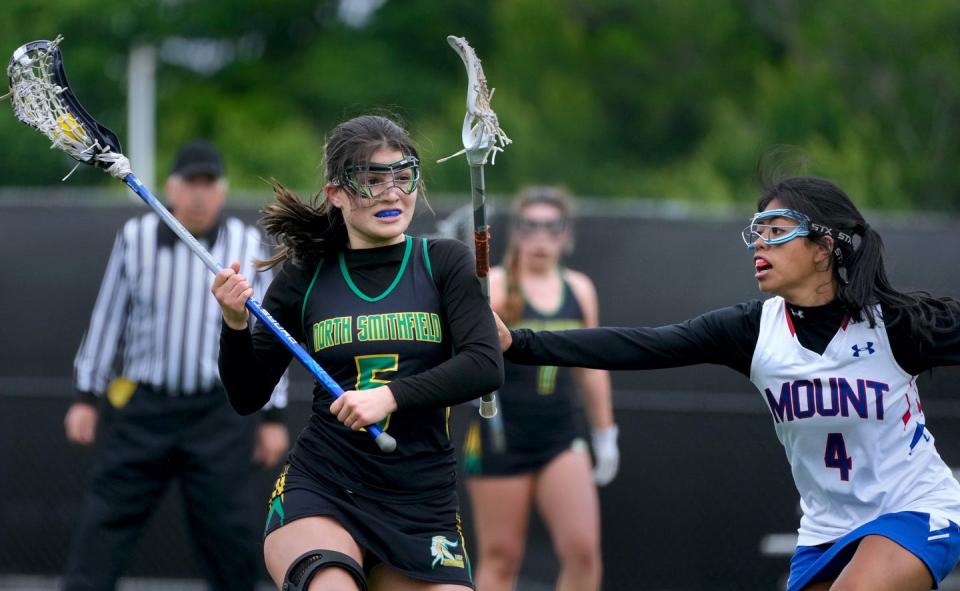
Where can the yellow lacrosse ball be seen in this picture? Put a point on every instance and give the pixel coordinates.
(70, 127)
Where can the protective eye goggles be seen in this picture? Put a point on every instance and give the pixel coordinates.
(797, 224)
(372, 180)
(527, 227)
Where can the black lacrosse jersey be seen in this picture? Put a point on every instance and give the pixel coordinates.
(366, 340)
(537, 401)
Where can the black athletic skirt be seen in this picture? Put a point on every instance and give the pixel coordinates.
(421, 539)
(529, 446)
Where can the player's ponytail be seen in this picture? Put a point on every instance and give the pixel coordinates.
(858, 270)
(513, 304)
(310, 232)
(862, 279)
(303, 232)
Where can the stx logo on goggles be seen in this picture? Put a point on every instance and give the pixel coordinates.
(827, 231)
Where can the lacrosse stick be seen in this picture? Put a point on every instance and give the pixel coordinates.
(481, 135)
(43, 100)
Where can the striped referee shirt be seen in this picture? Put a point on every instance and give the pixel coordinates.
(155, 307)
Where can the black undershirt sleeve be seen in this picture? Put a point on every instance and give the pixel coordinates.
(476, 367)
(726, 336)
(915, 355)
(251, 362)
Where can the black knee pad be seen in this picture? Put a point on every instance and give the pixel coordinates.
(303, 569)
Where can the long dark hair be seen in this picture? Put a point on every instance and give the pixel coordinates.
(309, 232)
(858, 269)
(557, 197)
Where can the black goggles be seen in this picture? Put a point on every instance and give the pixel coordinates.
(372, 179)
(527, 226)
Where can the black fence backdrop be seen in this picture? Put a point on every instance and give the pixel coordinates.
(703, 477)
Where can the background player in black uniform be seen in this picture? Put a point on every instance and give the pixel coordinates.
(403, 326)
(546, 460)
(826, 264)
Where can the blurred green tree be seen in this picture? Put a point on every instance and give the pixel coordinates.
(619, 98)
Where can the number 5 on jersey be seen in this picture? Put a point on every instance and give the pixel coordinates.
(835, 455)
(368, 366)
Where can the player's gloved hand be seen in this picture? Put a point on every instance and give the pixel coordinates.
(357, 409)
(607, 455)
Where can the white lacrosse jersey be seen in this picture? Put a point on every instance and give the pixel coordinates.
(851, 423)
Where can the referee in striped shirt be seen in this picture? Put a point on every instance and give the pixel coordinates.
(151, 350)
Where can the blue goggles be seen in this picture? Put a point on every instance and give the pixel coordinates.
(791, 224)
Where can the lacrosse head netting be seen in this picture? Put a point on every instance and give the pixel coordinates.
(42, 99)
(482, 135)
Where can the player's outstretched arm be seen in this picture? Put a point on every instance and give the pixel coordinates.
(726, 337)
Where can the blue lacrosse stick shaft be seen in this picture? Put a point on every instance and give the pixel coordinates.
(384, 441)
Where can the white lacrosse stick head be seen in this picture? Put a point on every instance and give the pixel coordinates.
(481, 134)
(42, 99)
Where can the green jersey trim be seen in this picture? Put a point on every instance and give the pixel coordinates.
(303, 307)
(396, 280)
(426, 259)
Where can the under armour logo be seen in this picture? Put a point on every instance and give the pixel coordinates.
(797, 313)
(857, 349)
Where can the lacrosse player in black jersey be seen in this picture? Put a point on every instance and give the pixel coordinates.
(546, 461)
(402, 325)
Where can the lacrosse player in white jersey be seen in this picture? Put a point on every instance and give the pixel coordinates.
(835, 355)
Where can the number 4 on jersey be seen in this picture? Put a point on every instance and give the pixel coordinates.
(835, 456)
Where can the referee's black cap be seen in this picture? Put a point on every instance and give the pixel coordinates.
(198, 158)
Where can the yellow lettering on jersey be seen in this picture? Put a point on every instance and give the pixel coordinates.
(328, 337)
(391, 326)
(376, 327)
(437, 331)
(363, 332)
(404, 326)
(332, 331)
(417, 321)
